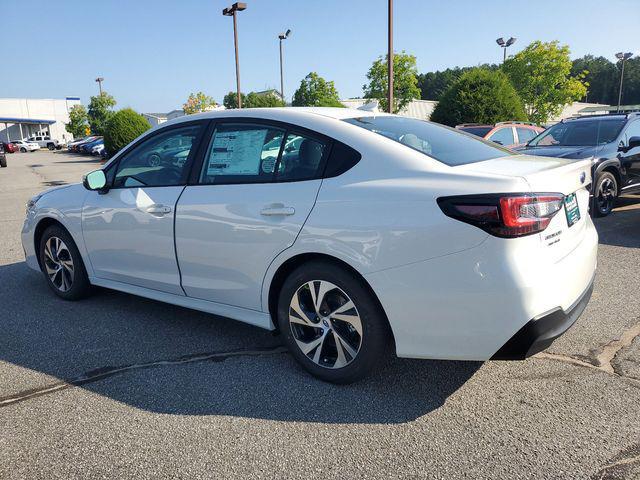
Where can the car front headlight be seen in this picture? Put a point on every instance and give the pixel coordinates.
(32, 203)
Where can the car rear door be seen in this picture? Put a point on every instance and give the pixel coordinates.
(630, 158)
(128, 230)
(248, 200)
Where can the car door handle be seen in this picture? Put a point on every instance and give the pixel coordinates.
(157, 209)
(277, 210)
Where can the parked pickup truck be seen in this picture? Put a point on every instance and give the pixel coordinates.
(45, 142)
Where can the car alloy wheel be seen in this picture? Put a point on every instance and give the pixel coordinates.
(606, 195)
(23, 150)
(325, 324)
(58, 264)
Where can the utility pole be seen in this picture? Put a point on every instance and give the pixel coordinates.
(623, 57)
(390, 60)
(231, 12)
(282, 36)
(100, 80)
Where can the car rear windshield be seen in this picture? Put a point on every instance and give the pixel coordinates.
(445, 144)
(580, 133)
(477, 131)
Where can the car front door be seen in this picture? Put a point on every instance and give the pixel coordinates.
(252, 194)
(128, 230)
(630, 157)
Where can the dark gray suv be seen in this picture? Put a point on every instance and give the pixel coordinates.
(612, 140)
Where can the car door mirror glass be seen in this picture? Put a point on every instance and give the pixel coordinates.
(95, 180)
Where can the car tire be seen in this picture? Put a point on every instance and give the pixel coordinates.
(366, 333)
(605, 194)
(51, 146)
(3, 161)
(59, 253)
(23, 150)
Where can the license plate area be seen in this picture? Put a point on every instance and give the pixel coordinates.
(571, 209)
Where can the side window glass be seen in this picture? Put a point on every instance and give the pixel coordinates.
(633, 130)
(525, 134)
(158, 161)
(504, 136)
(242, 153)
(302, 158)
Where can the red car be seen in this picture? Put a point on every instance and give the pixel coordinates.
(509, 134)
(10, 147)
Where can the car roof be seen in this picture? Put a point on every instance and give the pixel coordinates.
(285, 113)
(587, 118)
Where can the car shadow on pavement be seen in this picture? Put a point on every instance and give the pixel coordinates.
(68, 340)
(622, 227)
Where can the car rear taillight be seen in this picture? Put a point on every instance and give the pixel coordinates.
(505, 215)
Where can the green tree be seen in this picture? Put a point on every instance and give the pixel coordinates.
(262, 100)
(479, 96)
(100, 110)
(230, 100)
(432, 85)
(405, 81)
(198, 102)
(601, 78)
(541, 74)
(122, 128)
(315, 91)
(77, 125)
(253, 100)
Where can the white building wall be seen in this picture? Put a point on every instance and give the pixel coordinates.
(56, 110)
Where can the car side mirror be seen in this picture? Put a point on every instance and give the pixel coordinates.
(633, 143)
(95, 180)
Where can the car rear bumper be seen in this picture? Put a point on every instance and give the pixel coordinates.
(539, 333)
(468, 305)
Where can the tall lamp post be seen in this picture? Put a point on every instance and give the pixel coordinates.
(282, 36)
(100, 80)
(231, 12)
(504, 45)
(390, 61)
(622, 57)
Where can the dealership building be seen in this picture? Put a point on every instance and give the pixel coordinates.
(21, 118)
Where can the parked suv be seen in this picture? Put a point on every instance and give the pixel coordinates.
(612, 140)
(509, 134)
(44, 141)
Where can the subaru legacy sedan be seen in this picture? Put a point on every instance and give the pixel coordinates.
(351, 233)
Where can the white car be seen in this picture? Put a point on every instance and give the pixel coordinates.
(26, 146)
(376, 231)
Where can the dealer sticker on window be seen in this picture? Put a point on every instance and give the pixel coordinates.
(571, 209)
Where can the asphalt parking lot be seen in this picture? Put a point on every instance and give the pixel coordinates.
(119, 386)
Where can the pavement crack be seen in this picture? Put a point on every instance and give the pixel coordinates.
(621, 464)
(105, 372)
(604, 360)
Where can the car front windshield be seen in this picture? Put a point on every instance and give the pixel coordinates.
(445, 144)
(580, 133)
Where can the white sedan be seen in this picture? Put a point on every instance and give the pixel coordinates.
(25, 146)
(375, 231)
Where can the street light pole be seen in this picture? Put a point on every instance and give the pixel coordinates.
(504, 45)
(100, 80)
(390, 61)
(282, 36)
(231, 12)
(623, 57)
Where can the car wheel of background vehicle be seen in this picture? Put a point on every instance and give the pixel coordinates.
(62, 264)
(3, 161)
(331, 322)
(23, 150)
(51, 146)
(606, 193)
(154, 160)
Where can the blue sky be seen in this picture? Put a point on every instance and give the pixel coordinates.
(152, 53)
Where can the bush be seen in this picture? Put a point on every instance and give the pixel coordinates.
(479, 96)
(123, 127)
